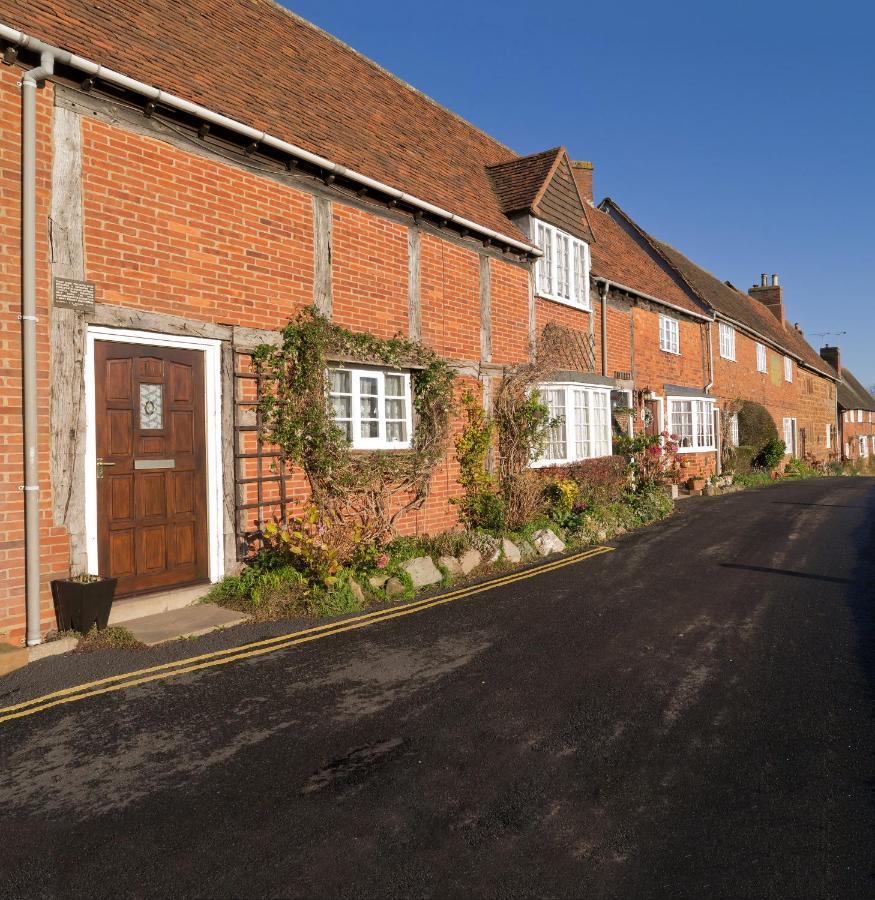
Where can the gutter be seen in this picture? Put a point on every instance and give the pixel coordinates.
(29, 84)
(155, 95)
(652, 299)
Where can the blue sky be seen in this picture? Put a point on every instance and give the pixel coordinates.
(743, 133)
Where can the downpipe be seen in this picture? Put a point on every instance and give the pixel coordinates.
(29, 84)
(603, 296)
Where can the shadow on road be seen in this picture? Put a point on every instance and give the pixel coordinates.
(790, 572)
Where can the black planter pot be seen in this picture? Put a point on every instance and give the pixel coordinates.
(81, 605)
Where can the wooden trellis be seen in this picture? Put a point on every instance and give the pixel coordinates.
(261, 475)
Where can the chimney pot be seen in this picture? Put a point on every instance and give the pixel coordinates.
(775, 280)
(764, 280)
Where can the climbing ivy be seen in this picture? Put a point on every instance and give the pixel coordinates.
(368, 490)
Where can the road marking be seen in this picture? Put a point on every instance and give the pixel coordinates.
(270, 645)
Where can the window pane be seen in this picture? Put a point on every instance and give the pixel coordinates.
(342, 407)
(346, 428)
(368, 407)
(370, 429)
(681, 417)
(582, 439)
(368, 385)
(340, 381)
(151, 406)
(554, 398)
(396, 431)
(395, 409)
(601, 427)
(394, 385)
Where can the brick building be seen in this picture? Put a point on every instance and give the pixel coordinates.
(756, 354)
(176, 229)
(856, 411)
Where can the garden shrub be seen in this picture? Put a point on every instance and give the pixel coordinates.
(600, 480)
(770, 454)
(739, 459)
(756, 427)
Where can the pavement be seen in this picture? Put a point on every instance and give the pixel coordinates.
(687, 716)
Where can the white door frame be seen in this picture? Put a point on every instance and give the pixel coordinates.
(211, 350)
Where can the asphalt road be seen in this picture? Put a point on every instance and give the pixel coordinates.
(688, 716)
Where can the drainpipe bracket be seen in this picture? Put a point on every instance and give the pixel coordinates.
(28, 487)
(28, 318)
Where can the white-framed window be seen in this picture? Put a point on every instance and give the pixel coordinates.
(859, 415)
(562, 273)
(692, 420)
(733, 430)
(372, 407)
(789, 436)
(788, 369)
(727, 341)
(864, 448)
(762, 365)
(828, 437)
(584, 427)
(669, 335)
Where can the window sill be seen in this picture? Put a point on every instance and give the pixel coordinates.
(672, 352)
(563, 302)
(381, 448)
(728, 358)
(697, 449)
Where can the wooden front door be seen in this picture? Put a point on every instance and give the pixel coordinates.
(151, 465)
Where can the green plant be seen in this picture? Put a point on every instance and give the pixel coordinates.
(800, 468)
(481, 507)
(365, 491)
(770, 454)
(739, 459)
(562, 496)
(112, 638)
(756, 427)
(754, 478)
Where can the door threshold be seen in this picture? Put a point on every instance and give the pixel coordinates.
(135, 607)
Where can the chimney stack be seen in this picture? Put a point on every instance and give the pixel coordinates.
(833, 357)
(770, 295)
(583, 176)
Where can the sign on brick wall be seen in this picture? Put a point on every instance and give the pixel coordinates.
(71, 294)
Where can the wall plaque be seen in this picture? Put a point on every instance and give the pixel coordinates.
(72, 294)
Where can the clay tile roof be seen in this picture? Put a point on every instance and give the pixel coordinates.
(735, 304)
(520, 182)
(258, 63)
(617, 256)
(852, 394)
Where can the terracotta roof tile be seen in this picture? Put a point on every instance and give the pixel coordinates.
(617, 256)
(733, 303)
(519, 182)
(852, 394)
(258, 63)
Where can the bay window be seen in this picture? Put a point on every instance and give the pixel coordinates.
(372, 407)
(692, 420)
(563, 270)
(583, 423)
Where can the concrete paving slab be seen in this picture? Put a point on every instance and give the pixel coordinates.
(158, 602)
(189, 621)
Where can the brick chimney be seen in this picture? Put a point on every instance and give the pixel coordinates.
(583, 176)
(833, 357)
(770, 295)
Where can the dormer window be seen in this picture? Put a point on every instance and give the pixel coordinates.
(563, 270)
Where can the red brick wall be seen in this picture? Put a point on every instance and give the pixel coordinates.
(369, 272)
(852, 431)
(510, 312)
(450, 298)
(809, 398)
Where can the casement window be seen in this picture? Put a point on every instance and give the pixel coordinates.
(583, 428)
(563, 271)
(372, 407)
(761, 358)
(859, 415)
(727, 341)
(669, 335)
(788, 369)
(789, 436)
(693, 423)
(828, 437)
(733, 430)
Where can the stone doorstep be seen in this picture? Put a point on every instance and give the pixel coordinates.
(189, 621)
(151, 604)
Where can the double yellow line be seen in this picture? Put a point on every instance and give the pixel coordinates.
(270, 645)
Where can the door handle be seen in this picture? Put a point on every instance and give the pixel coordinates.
(101, 465)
